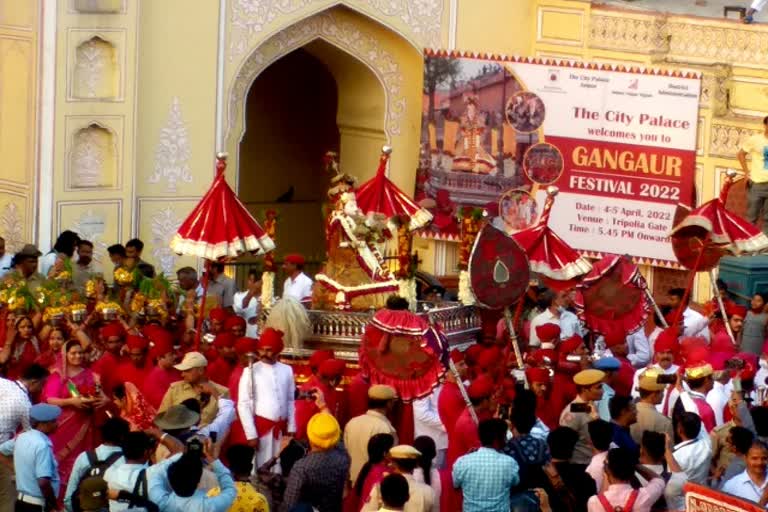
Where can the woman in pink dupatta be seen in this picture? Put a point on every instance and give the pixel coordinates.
(77, 391)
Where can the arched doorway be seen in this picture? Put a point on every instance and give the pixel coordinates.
(312, 100)
(291, 123)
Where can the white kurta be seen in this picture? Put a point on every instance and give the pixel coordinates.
(299, 288)
(250, 314)
(274, 395)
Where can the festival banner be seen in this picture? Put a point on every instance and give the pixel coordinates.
(619, 143)
(703, 499)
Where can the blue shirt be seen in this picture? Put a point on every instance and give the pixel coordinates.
(162, 495)
(602, 404)
(743, 487)
(33, 458)
(485, 478)
(623, 439)
(81, 466)
(569, 325)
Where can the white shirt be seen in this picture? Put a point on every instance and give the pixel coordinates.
(426, 420)
(5, 264)
(274, 398)
(299, 288)
(540, 430)
(596, 469)
(743, 487)
(250, 314)
(122, 478)
(569, 325)
(717, 398)
(694, 458)
(639, 349)
(46, 262)
(673, 492)
(183, 297)
(14, 408)
(695, 324)
(225, 416)
(545, 317)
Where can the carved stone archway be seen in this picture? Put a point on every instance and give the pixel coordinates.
(343, 34)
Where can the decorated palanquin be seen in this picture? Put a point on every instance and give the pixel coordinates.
(354, 276)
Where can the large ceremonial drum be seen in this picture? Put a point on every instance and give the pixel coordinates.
(498, 269)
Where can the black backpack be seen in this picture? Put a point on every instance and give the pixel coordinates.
(95, 471)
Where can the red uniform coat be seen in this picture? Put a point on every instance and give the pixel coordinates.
(236, 434)
(157, 383)
(625, 376)
(464, 437)
(450, 405)
(220, 370)
(305, 409)
(106, 368)
(357, 396)
(129, 372)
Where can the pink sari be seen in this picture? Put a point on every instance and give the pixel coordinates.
(76, 432)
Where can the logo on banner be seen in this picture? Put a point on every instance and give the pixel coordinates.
(634, 84)
(554, 75)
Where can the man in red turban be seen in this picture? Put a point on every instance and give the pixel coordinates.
(490, 361)
(298, 285)
(269, 414)
(327, 378)
(223, 366)
(666, 350)
(163, 374)
(112, 336)
(235, 325)
(450, 401)
(549, 335)
(317, 358)
(563, 388)
(464, 437)
(216, 318)
(245, 349)
(540, 383)
(137, 368)
(616, 342)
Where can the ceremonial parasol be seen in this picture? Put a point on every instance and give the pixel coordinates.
(548, 254)
(401, 349)
(709, 232)
(219, 228)
(613, 298)
(380, 196)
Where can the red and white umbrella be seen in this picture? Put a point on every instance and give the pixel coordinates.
(220, 226)
(548, 254)
(719, 228)
(613, 297)
(380, 196)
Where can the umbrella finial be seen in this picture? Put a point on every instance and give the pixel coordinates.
(731, 173)
(221, 155)
(552, 190)
(386, 150)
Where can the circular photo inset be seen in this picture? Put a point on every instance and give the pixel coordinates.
(518, 210)
(543, 163)
(525, 111)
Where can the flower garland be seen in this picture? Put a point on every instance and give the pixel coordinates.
(267, 289)
(407, 290)
(470, 221)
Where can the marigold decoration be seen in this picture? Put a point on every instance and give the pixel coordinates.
(77, 312)
(123, 276)
(470, 222)
(20, 299)
(109, 310)
(92, 288)
(267, 289)
(54, 313)
(137, 302)
(64, 275)
(270, 268)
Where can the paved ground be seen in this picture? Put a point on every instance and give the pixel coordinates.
(706, 8)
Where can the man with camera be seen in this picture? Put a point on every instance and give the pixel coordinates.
(173, 483)
(582, 410)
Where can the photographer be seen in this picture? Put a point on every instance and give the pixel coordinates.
(173, 484)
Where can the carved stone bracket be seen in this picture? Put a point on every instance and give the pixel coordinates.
(724, 140)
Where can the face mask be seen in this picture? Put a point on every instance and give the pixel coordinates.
(561, 309)
(763, 364)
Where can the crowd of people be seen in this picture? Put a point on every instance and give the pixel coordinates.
(126, 412)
